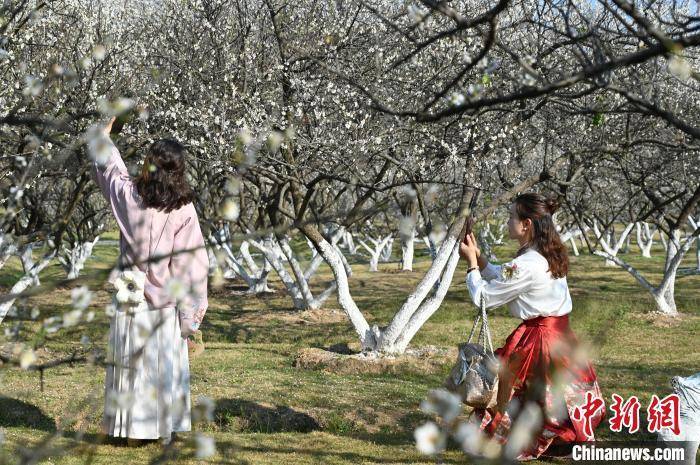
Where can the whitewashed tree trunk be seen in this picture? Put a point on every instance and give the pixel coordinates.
(626, 247)
(271, 251)
(375, 251)
(645, 238)
(385, 256)
(243, 265)
(493, 238)
(73, 260)
(413, 302)
(415, 309)
(609, 245)
(570, 235)
(368, 338)
(427, 308)
(485, 246)
(350, 243)
(296, 284)
(407, 250)
(432, 246)
(312, 248)
(8, 248)
(664, 293)
(26, 256)
(573, 246)
(317, 259)
(28, 280)
(213, 260)
(695, 224)
(301, 282)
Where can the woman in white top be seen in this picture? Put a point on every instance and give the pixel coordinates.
(540, 362)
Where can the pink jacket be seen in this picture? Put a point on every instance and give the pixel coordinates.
(139, 230)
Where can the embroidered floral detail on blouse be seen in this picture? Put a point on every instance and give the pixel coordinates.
(510, 271)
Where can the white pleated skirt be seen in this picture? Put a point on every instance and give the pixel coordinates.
(147, 385)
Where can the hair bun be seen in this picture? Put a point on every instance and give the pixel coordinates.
(552, 205)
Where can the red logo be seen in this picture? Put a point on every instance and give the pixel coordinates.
(588, 411)
(664, 413)
(626, 414)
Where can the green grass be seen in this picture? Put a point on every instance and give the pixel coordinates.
(269, 412)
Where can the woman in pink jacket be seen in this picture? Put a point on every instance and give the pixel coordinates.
(147, 391)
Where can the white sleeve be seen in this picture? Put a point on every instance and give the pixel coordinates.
(500, 290)
(491, 271)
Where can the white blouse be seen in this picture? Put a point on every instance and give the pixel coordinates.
(529, 291)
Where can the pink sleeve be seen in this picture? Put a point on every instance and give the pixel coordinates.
(191, 267)
(112, 176)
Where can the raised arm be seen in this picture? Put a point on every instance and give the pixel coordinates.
(192, 267)
(108, 168)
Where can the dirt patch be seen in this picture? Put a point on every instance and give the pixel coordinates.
(661, 320)
(293, 317)
(424, 360)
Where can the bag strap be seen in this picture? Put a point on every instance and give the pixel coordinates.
(484, 332)
(148, 267)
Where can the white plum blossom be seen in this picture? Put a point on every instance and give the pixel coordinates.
(204, 409)
(98, 52)
(81, 297)
(443, 403)
(230, 209)
(457, 99)
(429, 439)
(99, 145)
(27, 358)
(206, 446)
(52, 324)
(33, 86)
(176, 288)
(679, 67)
(470, 437)
(72, 318)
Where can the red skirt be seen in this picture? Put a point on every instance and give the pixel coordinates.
(540, 362)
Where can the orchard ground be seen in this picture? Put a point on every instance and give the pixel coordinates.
(271, 410)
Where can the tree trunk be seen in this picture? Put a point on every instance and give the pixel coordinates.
(407, 249)
(375, 251)
(609, 245)
(645, 239)
(73, 260)
(664, 293)
(573, 246)
(26, 256)
(7, 248)
(426, 310)
(28, 280)
(386, 251)
(368, 337)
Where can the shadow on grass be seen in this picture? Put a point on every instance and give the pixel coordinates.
(17, 413)
(327, 456)
(251, 417)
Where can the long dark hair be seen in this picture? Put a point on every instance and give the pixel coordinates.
(162, 184)
(544, 234)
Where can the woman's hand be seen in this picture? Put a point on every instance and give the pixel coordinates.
(469, 250)
(108, 127)
(188, 326)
